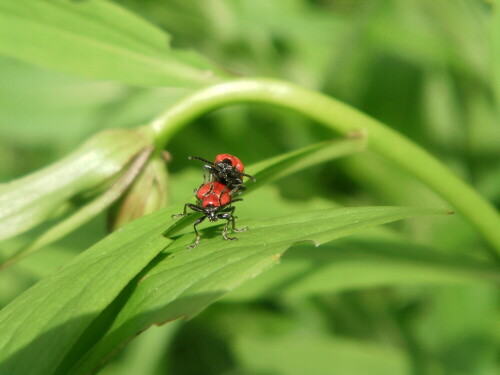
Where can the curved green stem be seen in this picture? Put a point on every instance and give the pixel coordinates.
(345, 120)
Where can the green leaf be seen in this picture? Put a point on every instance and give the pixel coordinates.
(94, 313)
(97, 39)
(181, 283)
(64, 310)
(40, 326)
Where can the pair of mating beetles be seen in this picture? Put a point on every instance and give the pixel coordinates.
(216, 194)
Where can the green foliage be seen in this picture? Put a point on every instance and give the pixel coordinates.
(218, 269)
(33, 199)
(418, 296)
(97, 39)
(317, 354)
(375, 260)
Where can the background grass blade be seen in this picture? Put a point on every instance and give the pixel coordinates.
(181, 283)
(362, 262)
(97, 39)
(319, 355)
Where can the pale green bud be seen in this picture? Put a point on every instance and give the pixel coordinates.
(147, 194)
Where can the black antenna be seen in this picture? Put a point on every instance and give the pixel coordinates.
(250, 177)
(201, 159)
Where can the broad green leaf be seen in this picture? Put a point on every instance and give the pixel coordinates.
(40, 326)
(97, 39)
(34, 102)
(91, 335)
(18, 278)
(181, 283)
(47, 193)
(178, 283)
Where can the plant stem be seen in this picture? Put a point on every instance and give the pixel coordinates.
(344, 120)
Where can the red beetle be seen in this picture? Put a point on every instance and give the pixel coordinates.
(214, 202)
(216, 190)
(227, 169)
(231, 160)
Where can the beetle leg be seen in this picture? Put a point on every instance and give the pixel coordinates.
(224, 232)
(191, 206)
(197, 241)
(228, 215)
(183, 213)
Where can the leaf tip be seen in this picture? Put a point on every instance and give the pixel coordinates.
(277, 256)
(305, 242)
(357, 134)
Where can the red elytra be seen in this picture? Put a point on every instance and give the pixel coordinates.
(215, 200)
(215, 197)
(233, 160)
(210, 187)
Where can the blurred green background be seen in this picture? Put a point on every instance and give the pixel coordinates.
(430, 69)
